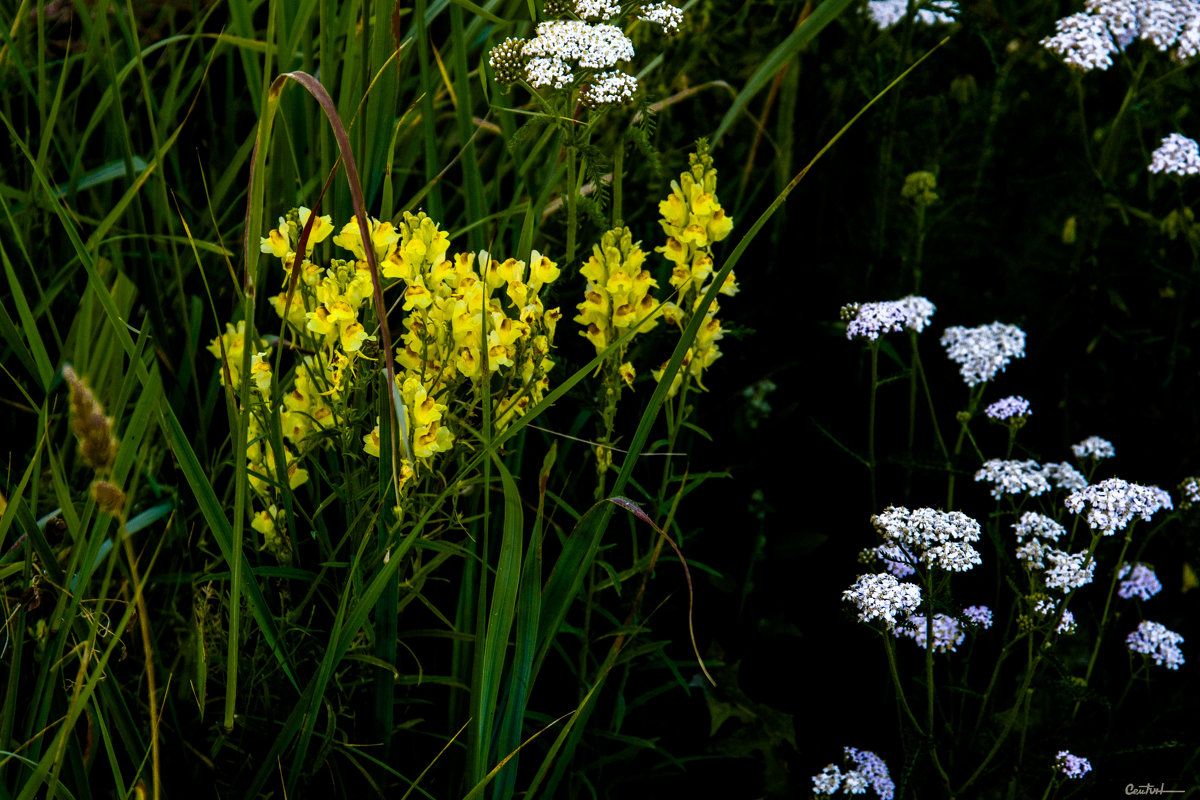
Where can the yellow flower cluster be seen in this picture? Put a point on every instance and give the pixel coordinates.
(456, 320)
(618, 293)
(693, 219)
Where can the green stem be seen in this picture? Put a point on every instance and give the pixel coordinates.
(1112, 587)
(572, 209)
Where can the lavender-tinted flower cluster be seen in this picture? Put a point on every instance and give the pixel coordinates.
(1138, 581)
(1072, 766)
(1155, 640)
(1008, 408)
(947, 633)
(1177, 155)
(869, 771)
(980, 616)
(1046, 607)
(869, 321)
(1189, 492)
(1113, 503)
(937, 538)
(983, 352)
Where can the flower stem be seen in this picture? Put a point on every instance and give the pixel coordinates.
(871, 465)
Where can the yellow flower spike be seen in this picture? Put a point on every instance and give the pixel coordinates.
(436, 439)
(680, 276)
(628, 373)
(702, 268)
(396, 266)
(234, 341)
(674, 250)
(550, 319)
(730, 287)
(264, 523)
(541, 271)
(322, 228)
(695, 235)
(467, 362)
(511, 270)
(596, 336)
(709, 332)
(498, 354)
(276, 243)
(441, 273)
(645, 307)
(719, 226)
(505, 331)
(353, 336)
(350, 238)
(490, 268)
(624, 316)
(517, 293)
(619, 284)
(371, 441)
(414, 253)
(672, 313)
(416, 295)
(260, 373)
(296, 475)
(341, 312)
(674, 210)
(295, 315)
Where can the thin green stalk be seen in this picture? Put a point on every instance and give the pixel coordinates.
(1112, 588)
(964, 419)
(572, 210)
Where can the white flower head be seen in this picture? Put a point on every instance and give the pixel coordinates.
(665, 15)
(881, 596)
(886, 13)
(1064, 476)
(869, 321)
(983, 352)
(1094, 447)
(979, 616)
(1112, 504)
(1033, 531)
(590, 46)
(1177, 155)
(611, 88)
(1013, 477)
(597, 9)
(1008, 408)
(1046, 607)
(1154, 640)
(1068, 570)
(1083, 41)
(1189, 492)
(937, 538)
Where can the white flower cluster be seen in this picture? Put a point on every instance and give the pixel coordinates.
(870, 772)
(886, 13)
(665, 15)
(1189, 491)
(871, 320)
(1064, 476)
(1013, 477)
(597, 9)
(1094, 447)
(1177, 155)
(590, 46)
(947, 633)
(1087, 41)
(610, 88)
(984, 351)
(1113, 503)
(1069, 570)
(590, 43)
(1007, 408)
(1031, 530)
(883, 597)
(1154, 640)
(1047, 607)
(937, 538)
(1083, 41)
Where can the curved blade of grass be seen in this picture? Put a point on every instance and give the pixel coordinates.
(824, 14)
